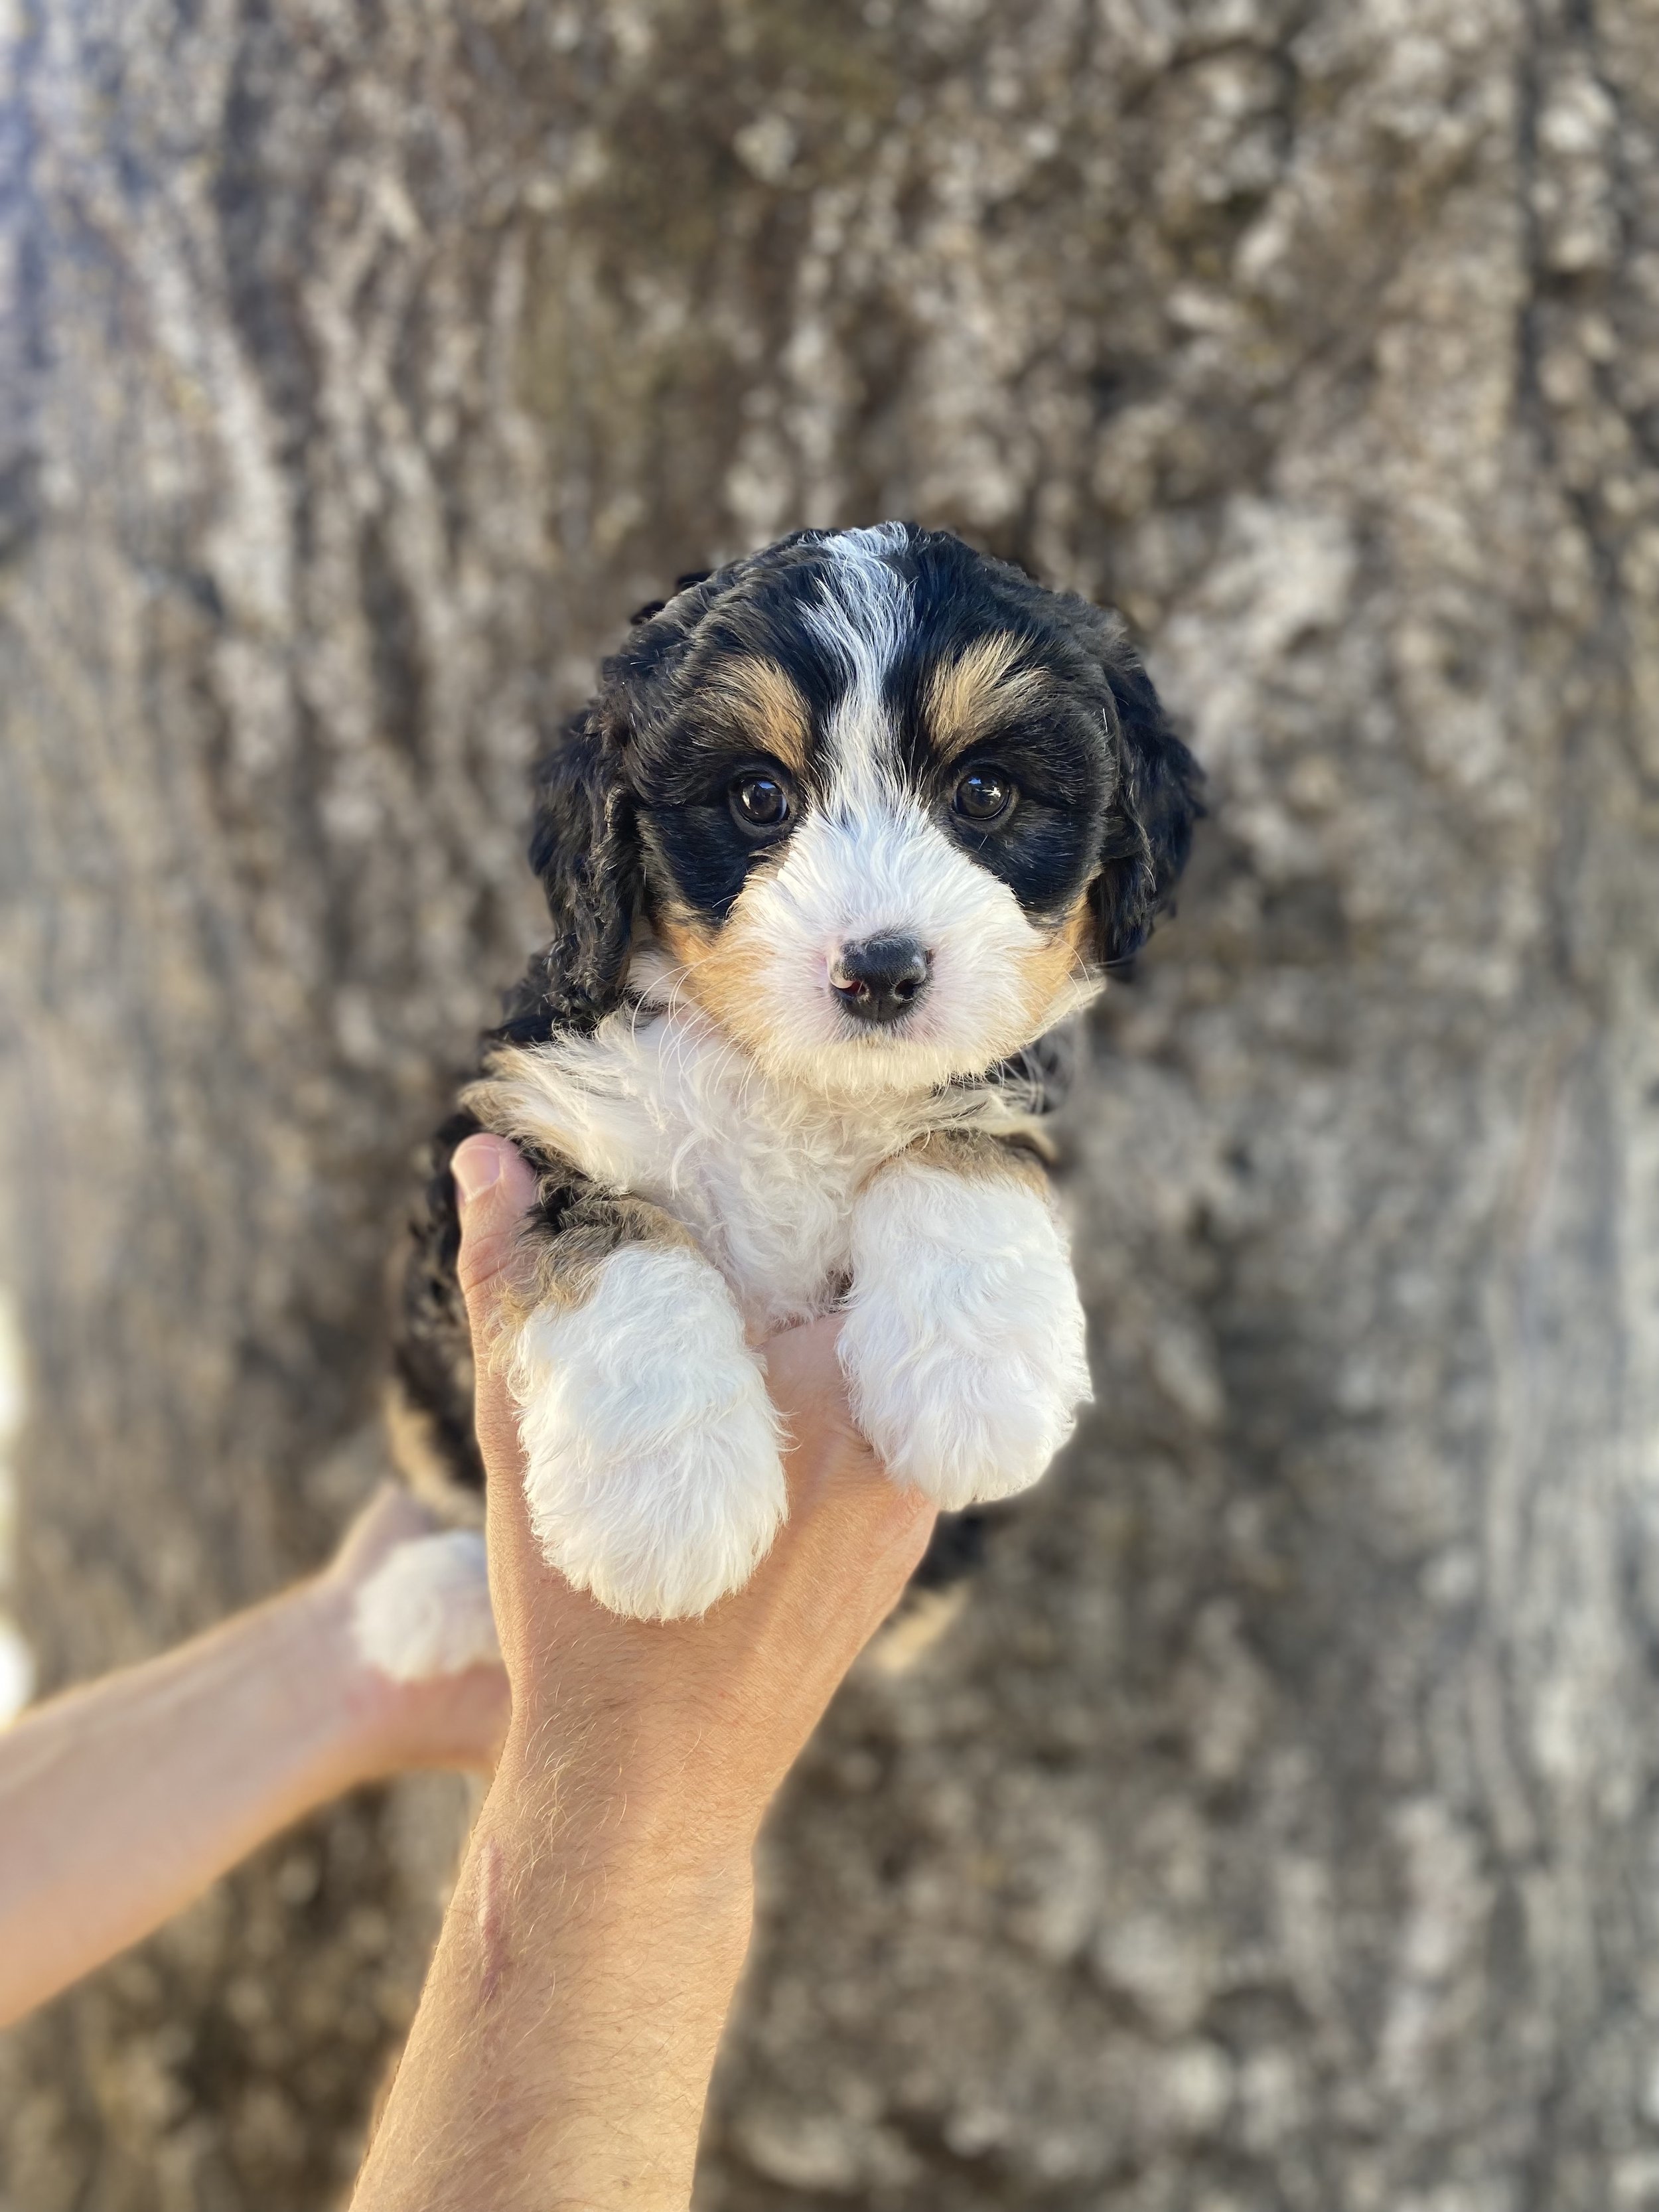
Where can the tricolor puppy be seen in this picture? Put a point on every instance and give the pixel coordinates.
(850, 825)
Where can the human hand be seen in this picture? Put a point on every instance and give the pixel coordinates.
(707, 1715)
(121, 1799)
(454, 1720)
(561, 2053)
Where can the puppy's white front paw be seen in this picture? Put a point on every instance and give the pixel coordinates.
(964, 1344)
(653, 1475)
(425, 1610)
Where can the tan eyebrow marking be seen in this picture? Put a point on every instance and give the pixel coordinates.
(968, 697)
(771, 707)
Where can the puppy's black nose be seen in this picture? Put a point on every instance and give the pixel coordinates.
(881, 980)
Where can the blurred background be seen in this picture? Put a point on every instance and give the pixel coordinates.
(1277, 1825)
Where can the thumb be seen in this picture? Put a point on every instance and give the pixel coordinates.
(495, 1189)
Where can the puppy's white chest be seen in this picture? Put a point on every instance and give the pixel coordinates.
(656, 1104)
(654, 1477)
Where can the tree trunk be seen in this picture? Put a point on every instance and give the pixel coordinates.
(1275, 1824)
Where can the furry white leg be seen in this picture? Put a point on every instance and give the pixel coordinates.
(964, 1341)
(425, 1610)
(653, 1478)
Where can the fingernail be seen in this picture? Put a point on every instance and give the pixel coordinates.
(475, 1167)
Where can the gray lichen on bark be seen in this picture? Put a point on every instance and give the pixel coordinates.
(1274, 1826)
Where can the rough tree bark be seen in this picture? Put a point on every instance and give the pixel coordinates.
(1276, 1826)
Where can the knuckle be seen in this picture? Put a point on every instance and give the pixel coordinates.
(481, 1267)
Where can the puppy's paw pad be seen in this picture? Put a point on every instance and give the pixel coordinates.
(653, 1475)
(425, 1610)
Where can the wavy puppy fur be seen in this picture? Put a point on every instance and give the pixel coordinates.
(850, 827)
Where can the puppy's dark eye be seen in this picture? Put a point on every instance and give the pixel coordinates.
(985, 796)
(760, 801)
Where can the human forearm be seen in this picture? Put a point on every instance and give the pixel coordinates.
(561, 2053)
(120, 1802)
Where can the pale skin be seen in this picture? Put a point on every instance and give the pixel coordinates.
(560, 2056)
(121, 1802)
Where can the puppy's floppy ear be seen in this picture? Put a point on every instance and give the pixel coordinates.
(585, 848)
(586, 844)
(1149, 825)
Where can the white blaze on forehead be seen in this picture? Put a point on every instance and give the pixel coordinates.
(862, 618)
(881, 871)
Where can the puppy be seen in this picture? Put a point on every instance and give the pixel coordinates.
(850, 825)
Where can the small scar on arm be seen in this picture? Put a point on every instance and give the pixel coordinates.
(491, 1921)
